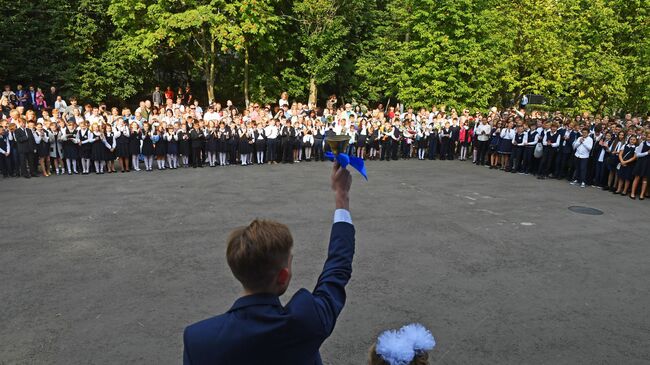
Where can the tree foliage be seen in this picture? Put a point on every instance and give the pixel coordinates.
(586, 55)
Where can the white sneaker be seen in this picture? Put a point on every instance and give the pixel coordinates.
(574, 182)
(583, 185)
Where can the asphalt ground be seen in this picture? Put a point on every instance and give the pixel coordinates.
(110, 269)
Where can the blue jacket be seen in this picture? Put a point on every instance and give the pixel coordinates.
(259, 330)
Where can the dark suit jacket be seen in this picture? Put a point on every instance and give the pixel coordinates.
(258, 330)
(25, 141)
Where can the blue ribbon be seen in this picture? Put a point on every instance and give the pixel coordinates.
(344, 160)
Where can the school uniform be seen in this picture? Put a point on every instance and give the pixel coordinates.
(160, 146)
(627, 172)
(259, 136)
(13, 159)
(26, 148)
(548, 156)
(288, 134)
(396, 138)
(319, 136)
(271, 132)
(518, 149)
(642, 165)
(245, 140)
(362, 137)
(505, 141)
(564, 163)
(582, 147)
(196, 143)
(445, 144)
(172, 143)
(70, 144)
(531, 140)
(97, 147)
(258, 329)
(122, 149)
(600, 155)
(42, 144)
(482, 135)
(5, 148)
(56, 145)
(433, 143)
(85, 150)
(211, 141)
(386, 142)
(110, 145)
(183, 143)
(147, 144)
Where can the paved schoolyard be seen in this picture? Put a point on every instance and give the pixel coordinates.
(109, 269)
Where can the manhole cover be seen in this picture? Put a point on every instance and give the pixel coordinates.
(585, 210)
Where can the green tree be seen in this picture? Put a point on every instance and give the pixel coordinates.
(322, 31)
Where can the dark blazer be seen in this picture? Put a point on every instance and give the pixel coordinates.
(25, 140)
(258, 329)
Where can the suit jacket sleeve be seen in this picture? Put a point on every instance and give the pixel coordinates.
(329, 294)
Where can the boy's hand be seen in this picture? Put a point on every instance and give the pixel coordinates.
(341, 182)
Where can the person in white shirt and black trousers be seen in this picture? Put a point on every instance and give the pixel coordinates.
(582, 146)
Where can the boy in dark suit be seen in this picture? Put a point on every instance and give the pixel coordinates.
(258, 329)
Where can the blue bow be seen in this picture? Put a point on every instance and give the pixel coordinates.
(344, 160)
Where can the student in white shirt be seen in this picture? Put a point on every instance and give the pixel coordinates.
(582, 147)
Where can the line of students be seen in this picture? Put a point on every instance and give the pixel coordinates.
(603, 155)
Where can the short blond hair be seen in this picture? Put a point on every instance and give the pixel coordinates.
(257, 252)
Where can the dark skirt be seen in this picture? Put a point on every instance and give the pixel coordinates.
(260, 145)
(184, 148)
(626, 172)
(97, 152)
(161, 147)
(43, 149)
(70, 150)
(362, 140)
(422, 143)
(505, 146)
(122, 147)
(211, 144)
(147, 147)
(86, 150)
(641, 167)
(108, 154)
(494, 143)
(223, 145)
(134, 145)
(172, 148)
(244, 146)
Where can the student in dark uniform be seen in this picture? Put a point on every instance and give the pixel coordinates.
(288, 134)
(564, 162)
(603, 152)
(531, 140)
(122, 144)
(395, 143)
(160, 147)
(505, 145)
(42, 140)
(372, 142)
(184, 145)
(196, 143)
(223, 136)
(110, 142)
(135, 137)
(551, 143)
(13, 158)
(260, 143)
(433, 139)
(5, 152)
(85, 149)
(641, 170)
(626, 158)
(211, 144)
(147, 146)
(518, 150)
(453, 139)
(97, 147)
(362, 139)
(445, 142)
(69, 138)
(172, 147)
(421, 140)
(233, 144)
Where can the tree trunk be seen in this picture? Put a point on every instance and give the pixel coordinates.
(246, 61)
(209, 81)
(313, 92)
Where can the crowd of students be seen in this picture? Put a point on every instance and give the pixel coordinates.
(69, 139)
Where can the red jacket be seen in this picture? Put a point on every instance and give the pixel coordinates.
(466, 135)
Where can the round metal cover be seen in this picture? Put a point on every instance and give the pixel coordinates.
(585, 210)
